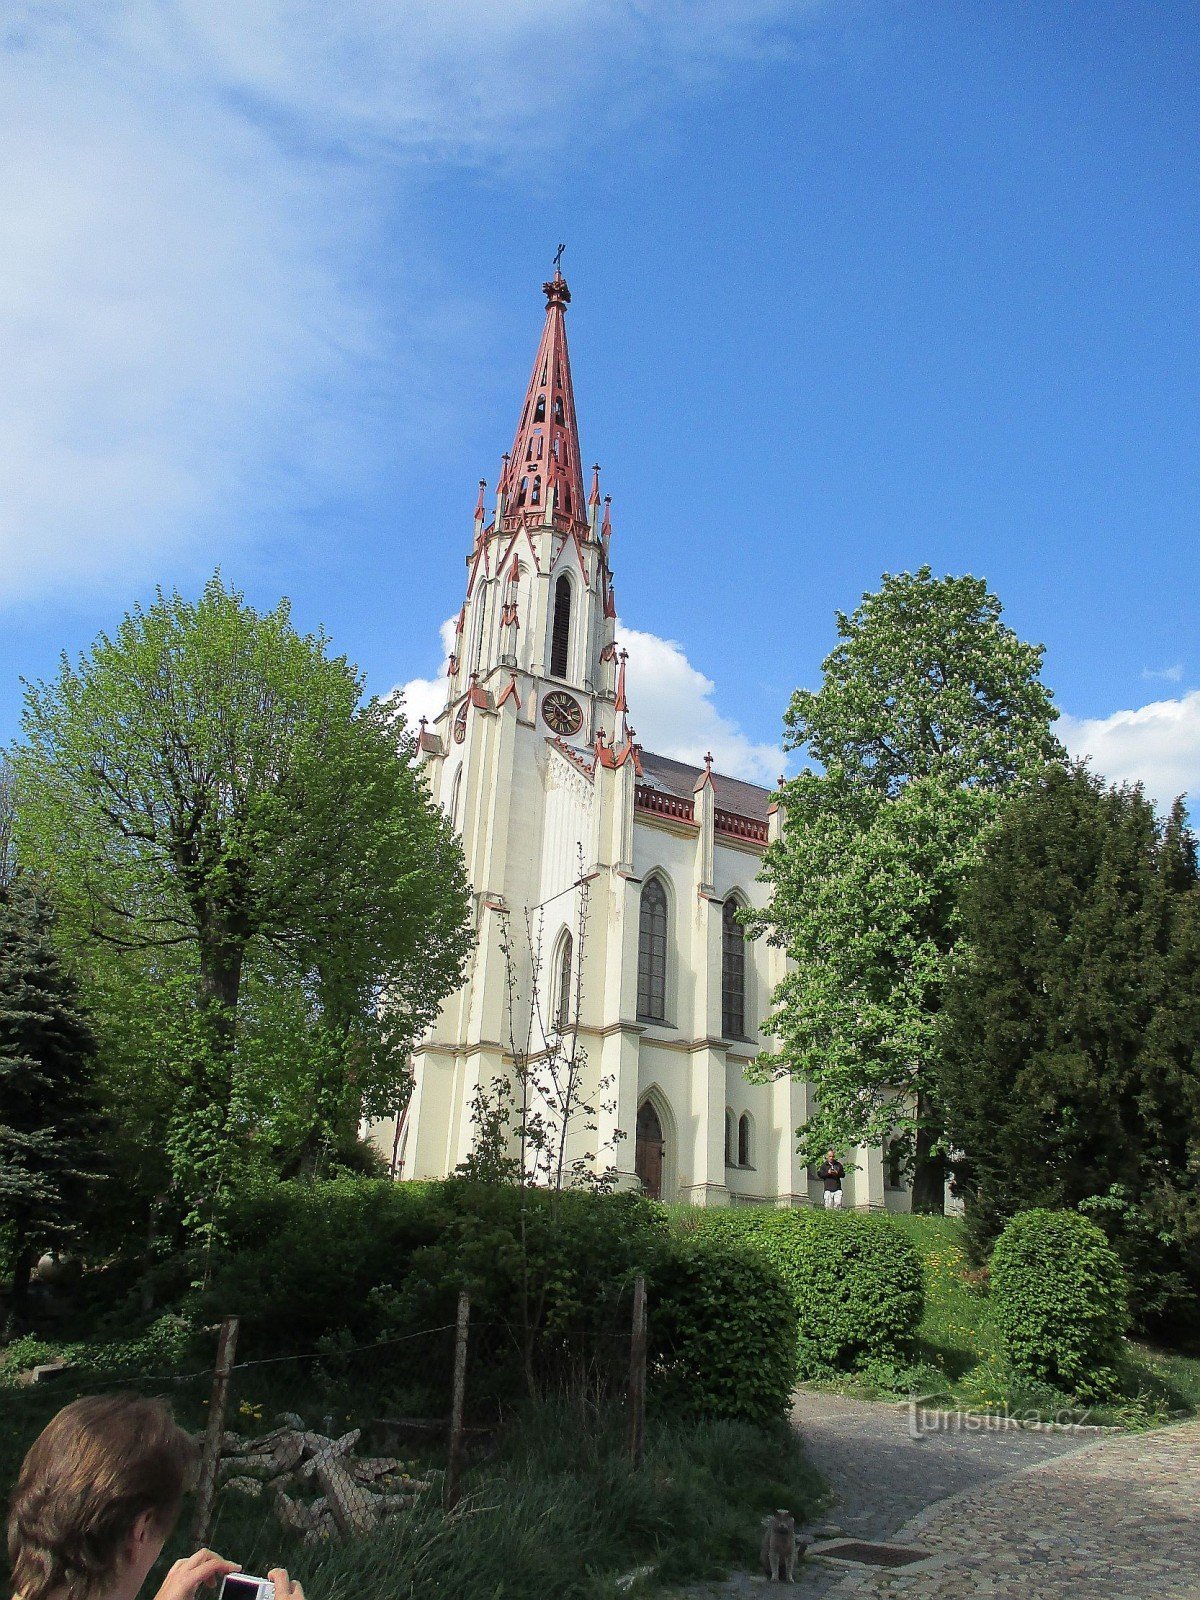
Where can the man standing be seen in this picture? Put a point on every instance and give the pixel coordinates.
(831, 1172)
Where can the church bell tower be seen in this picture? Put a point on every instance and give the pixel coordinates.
(537, 623)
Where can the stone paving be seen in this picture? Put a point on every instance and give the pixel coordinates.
(1011, 1514)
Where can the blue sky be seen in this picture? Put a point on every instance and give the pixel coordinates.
(856, 286)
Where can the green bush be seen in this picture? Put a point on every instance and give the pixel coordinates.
(1060, 1301)
(722, 1332)
(301, 1259)
(550, 1277)
(855, 1280)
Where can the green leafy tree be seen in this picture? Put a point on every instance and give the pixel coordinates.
(49, 1129)
(207, 792)
(930, 710)
(1071, 1028)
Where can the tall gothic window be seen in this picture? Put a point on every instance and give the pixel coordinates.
(560, 637)
(562, 1010)
(652, 953)
(744, 1141)
(728, 1137)
(733, 973)
(539, 411)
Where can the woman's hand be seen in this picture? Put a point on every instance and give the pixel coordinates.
(285, 1589)
(191, 1574)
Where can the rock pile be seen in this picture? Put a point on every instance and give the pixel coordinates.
(320, 1488)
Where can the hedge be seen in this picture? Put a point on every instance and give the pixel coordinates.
(1060, 1301)
(721, 1332)
(550, 1277)
(855, 1280)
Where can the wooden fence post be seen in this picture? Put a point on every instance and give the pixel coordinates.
(450, 1498)
(206, 1487)
(637, 1374)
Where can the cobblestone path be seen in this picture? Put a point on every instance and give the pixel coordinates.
(1012, 1514)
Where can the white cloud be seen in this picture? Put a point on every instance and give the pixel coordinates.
(671, 707)
(1173, 674)
(1157, 745)
(194, 193)
(426, 697)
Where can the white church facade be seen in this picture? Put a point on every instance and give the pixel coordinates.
(535, 761)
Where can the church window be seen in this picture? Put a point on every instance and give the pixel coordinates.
(521, 492)
(562, 1009)
(652, 953)
(554, 446)
(744, 1141)
(560, 636)
(567, 498)
(455, 791)
(539, 411)
(558, 409)
(535, 494)
(733, 973)
(728, 1137)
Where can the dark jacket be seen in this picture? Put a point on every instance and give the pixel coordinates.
(831, 1174)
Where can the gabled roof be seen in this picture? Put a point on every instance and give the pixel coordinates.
(680, 778)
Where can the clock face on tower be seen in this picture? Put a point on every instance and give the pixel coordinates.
(561, 713)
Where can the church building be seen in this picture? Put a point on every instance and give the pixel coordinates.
(607, 879)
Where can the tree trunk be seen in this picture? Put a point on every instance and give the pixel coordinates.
(220, 985)
(24, 1257)
(929, 1170)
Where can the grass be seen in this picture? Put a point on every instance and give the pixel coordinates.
(959, 1356)
(558, 1509)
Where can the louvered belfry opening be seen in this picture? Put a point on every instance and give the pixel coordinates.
(560, 637)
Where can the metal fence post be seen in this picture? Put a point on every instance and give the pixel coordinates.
(637, 1374)
(206, 1488)
(456, 1408)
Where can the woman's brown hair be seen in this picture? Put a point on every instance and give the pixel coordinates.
(89, 1475)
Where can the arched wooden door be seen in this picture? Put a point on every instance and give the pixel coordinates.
(648, 1154)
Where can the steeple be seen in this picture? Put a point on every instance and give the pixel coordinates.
(543, 470)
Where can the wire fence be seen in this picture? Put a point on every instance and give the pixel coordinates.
(344, 1440)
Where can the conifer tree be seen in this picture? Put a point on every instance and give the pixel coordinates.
(49, 1129)
(1071, 1027)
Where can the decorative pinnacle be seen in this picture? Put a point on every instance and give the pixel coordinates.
(424, 721)
(782, 780)
(708, 761)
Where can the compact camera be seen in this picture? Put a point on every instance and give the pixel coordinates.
(241, 1586)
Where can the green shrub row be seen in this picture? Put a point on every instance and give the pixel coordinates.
(550, 1277)
(855, 1280)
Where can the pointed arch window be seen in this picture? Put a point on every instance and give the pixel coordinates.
(652, 953)
(744, 1151)
(558, 409)
(560, 635)
(455, 793)
(539, 410)
(522, 491)
(728, 1137)
(562, 999)
(535, 494)
(733, 973)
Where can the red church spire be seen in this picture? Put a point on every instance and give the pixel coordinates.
(545, 454)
